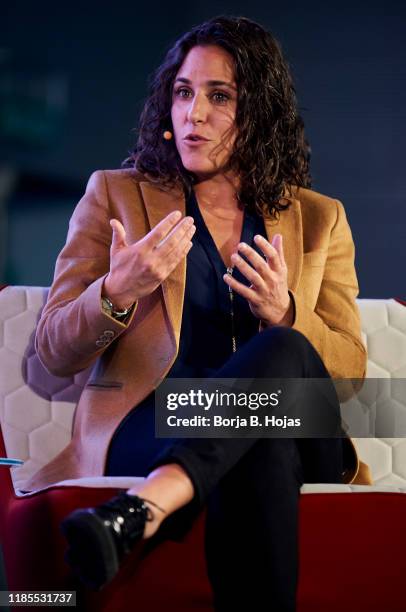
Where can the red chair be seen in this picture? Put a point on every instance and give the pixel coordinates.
(352, 538)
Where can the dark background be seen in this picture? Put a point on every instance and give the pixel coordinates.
(73, 78)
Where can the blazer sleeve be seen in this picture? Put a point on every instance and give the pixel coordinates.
(334, 326)
(73, 329)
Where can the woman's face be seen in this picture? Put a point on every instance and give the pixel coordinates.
(204, 104)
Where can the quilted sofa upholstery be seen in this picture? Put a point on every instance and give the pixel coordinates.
(36, 411)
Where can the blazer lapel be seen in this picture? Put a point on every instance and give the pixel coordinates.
(290, 226)
(159, 203)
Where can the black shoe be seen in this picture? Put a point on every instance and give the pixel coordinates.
(100, 537)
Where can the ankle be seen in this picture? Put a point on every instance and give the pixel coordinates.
(156, 515)
(168, 486)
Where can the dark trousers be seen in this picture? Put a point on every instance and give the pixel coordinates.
(251, 486)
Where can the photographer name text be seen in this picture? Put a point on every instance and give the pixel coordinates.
(233, 422)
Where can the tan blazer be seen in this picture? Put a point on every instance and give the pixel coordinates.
(130, 360)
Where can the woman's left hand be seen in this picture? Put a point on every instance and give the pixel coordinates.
(268, 295)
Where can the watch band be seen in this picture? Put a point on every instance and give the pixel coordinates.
(109, 309)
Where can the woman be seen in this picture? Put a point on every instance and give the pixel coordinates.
(219, 180)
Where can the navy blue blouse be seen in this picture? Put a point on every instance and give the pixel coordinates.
(206, 332)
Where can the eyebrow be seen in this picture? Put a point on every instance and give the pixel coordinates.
(211, 83)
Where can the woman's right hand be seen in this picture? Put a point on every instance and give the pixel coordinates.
(136, 270)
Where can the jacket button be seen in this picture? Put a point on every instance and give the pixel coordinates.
(108, 333)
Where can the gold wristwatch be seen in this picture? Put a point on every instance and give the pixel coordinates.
(109, 309)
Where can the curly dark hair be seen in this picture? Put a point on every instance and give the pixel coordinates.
(270, 153)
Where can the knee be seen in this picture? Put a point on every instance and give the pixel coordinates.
(296, 356)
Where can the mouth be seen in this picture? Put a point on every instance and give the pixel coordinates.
(193, 143)
(195, 138)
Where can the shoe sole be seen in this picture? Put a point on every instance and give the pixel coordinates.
(92, 554)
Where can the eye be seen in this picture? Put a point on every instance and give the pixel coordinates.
(182, 92)
(221, 97)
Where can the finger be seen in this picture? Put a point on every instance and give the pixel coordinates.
(270, 252)
(248, 271)
(258, 262)
(277, 242)
(175, 262)
(160, 231)
(119, 236)
(177, 237)
(186, 250)
(177, 253)
(243, 290)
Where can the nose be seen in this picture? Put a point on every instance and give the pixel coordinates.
(197, 111)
